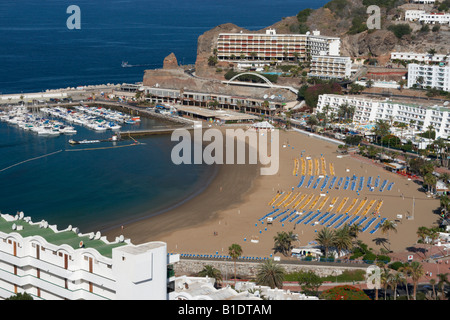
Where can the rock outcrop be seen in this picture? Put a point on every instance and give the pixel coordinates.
(170, 62)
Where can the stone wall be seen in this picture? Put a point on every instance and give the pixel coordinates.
(249, 269)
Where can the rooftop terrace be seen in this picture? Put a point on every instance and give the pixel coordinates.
(68, 237)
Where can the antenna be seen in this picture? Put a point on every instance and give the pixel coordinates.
(97, 235)
(121, 238)
(14, 227)
(91, 236)
(21, 215)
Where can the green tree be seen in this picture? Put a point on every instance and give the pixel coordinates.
(211, 272)
(342, 239)
(442, 281)
(416, 273)
(270, 274)
(388, 226)
(283, 242)
(326, 238)
(400, 30)
(309, 282)
(212, 61)
(429, 180)
(397, 279)
(312, 121)
(235, 251)
(20, 296)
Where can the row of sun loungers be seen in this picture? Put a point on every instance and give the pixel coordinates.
(217, 256)
(350, 183)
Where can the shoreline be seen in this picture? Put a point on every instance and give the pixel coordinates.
(229, 181)
(212, 221)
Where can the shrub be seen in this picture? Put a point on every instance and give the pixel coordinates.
(369, 257)
(395, 265)
(383, 258)
(400, 29)
(344, 293)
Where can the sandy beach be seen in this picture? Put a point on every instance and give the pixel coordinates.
(228, 211)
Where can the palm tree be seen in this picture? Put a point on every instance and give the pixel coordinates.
(312, 121)
(270, 274)
(430, 181)
(325, 238)
(235, 251)
(283, 242)
(406, 271)
(433, 284)
(386, 280)
(443, 280)
(397, 278)
(402, 84)
(388, 226)
(342, 239)
(211, 272)
(416, 273)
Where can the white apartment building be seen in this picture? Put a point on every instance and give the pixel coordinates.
(49, 264)
(413, 15)
(330, 67)
(429, 76)
(370, 110)
(435, 18)
(421, 57)
(424, 1)
(273, 46)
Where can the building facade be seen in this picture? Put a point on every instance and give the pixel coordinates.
(330, 67)
(65, 265)
(420, 57)
(273, 46)
(265, 105)
(435, 18)
(433, 76)
(413, 15)
(370, 110)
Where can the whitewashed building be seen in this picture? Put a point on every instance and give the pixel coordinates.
(49, 264)
(413, 15)
(330, 67)
(435, 18)
(369, 110)
(420, 57)
(429, 76)
(424, 1)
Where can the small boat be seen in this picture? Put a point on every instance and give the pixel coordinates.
(83, 141)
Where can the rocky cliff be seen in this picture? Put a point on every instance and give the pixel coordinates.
(337, 18)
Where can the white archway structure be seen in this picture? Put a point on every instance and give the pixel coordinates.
(250, 73)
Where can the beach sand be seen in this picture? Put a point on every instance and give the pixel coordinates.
(228, 211)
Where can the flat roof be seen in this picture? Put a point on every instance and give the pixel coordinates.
(218, 114)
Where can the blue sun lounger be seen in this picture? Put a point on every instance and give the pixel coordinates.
(377, 226)
(334, 220)
(368, 224)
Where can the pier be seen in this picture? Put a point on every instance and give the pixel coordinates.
(149, 132)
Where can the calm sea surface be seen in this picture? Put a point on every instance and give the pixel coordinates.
(94, 189)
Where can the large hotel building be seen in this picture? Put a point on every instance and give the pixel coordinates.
(52, 264)
(369, 110)
(273, 46)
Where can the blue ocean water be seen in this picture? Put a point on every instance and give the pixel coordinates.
(39, 52)
(94, 189)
